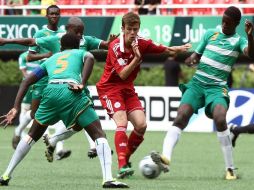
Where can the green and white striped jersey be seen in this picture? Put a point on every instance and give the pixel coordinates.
(24, 64)
(219, 53)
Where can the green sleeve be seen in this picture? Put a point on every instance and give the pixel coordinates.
(38, 34)
(46, 42)
(201, 46)
(22, 60)
(92, 42)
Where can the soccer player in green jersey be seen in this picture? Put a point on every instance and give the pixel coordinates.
(63, 99)
(216, 54)
(40, 54)
(26, 68)
(51, 43)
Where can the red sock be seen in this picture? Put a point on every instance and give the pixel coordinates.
(135, 140)
(121, 140)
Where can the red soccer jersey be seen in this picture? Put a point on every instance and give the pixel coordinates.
(118, 58)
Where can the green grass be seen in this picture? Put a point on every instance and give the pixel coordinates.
(197, 165)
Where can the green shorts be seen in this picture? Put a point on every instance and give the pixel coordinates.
(199, 95)
(59, 103)
(37, 88)
(87, 117)
(28, 97)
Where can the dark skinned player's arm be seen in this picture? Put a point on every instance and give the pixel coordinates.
(105, 44)
(20, 41)
(32, 78)
(87, 70)
(193, 59)
(33, 56)
(249, 51)
(88, 67)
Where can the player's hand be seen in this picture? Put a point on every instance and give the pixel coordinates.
(75, 87)
(112, 37)
(184, 48)
(49, 54)
(2, 41)
(190, 61)
(248, 27)
(8, 118)
(135, 49)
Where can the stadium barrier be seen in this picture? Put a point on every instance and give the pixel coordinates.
(160, 105)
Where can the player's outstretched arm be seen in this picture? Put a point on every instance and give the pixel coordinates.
(36, 75)
(87, 70)
(249, 51)
(105, 44)
(174, 50)
(32, 56)
(20, 41)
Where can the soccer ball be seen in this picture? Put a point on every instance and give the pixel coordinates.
(148, 168)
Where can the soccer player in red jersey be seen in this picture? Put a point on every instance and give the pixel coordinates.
(116, 89)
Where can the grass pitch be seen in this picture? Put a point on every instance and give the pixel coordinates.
(197, 165)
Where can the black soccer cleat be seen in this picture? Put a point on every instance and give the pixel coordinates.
(92, 153)
(49, 152)
(114, 184)
(63, 154)
(4, 180)
(234, 134)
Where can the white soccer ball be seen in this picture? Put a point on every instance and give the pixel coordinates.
(148, 168)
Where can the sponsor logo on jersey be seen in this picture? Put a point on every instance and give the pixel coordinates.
(117, 105)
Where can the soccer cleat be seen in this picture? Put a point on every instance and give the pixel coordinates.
(230, 175)
(234, 134)
(114, 184)
(92, 153)
(161, 161)
(49, 152)
(125, 172)
(15, 141)
(63, 154)
(4, 180)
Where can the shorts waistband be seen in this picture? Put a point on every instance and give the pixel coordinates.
(59, 81)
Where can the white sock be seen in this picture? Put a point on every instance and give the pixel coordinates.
(170, 141)
(21, 151)
(24, 121)
(59, 128)
(61, 135)
(226, 147)
(90, 140)
(104, 154)
(59, 146)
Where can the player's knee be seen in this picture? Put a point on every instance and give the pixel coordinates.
(181, 120)
(141, 127)
(220, 122)
(77, 128)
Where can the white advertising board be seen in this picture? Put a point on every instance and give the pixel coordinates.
(161, 104)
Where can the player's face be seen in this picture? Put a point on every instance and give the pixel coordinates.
(130, 32)
(228, 25)
(77, 30)
(53, 16)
